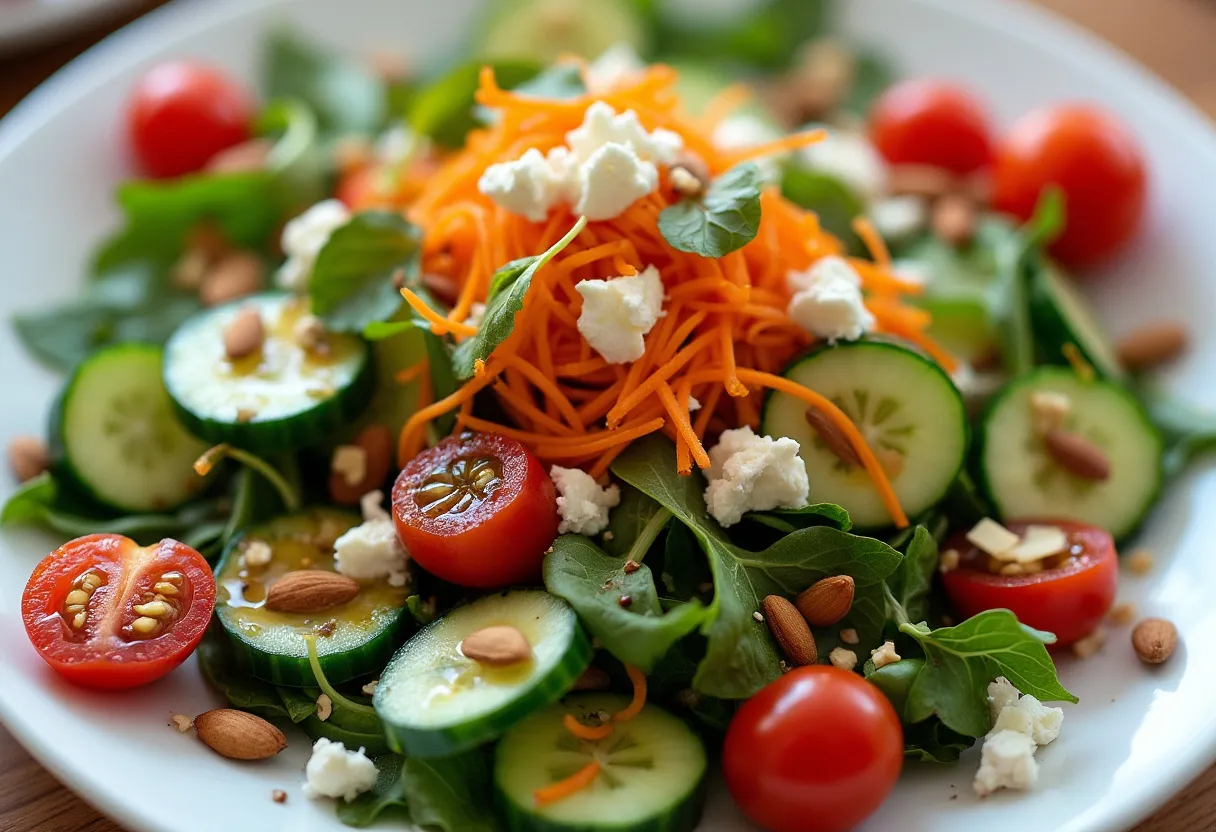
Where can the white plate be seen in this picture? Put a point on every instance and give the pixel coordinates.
(1138, 735)
(27, 23)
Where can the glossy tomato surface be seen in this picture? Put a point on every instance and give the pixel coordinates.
(925, 121)
(818, 750)
(1070, 600)
(477, 510)
(105, 612)
(1097, 163)
(181, 114)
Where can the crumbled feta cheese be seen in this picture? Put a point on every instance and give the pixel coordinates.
(371, 506)
(830, 269)
(581, 503)
(848, 156)
(615, 64)
(602, 126)
(753, 473)
(618, 313)
(1044, 722)
(899, 217)
(332, 771)
(371, 550)
(1006, 762)
(992, 538)
(1049, 410)
(1014, 712)
(827, 301)
(693, 404)
(744, 130)
(885, 655)
(257, 553)
(843, 658)
(350, 463)
(611, 180)
(304, 237)
(1001, 694)
(528, 186)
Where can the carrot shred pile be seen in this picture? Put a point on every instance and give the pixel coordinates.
(725, 335)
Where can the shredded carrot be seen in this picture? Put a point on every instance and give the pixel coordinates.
(638, 678)
(572, 785)
(586, 732)
(412, 372)
(680, 418)
(873, 241)
(439, 324)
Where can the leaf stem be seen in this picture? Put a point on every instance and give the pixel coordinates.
(646, 537)
(314, 661)
(209, 459)
(894, 609)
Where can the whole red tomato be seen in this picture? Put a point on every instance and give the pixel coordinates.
(1097, 163)
(818, 750)
(182, 114)
(924, 121)
(1070, 599)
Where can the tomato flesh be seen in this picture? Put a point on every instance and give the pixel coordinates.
(1070, 600)
(924, 121)
(477, 510)
(818, 750)
(105, 612)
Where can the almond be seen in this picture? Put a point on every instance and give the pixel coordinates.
(1077, 455)
(497, 646)
(832, 436)
(238, 735)
(954, 218)
(790, 630)
(375, 445)
(28, 457)
(826, 601)
(244, 334)
(1152, 345)
(236, 275)
(310, 590)
(1154, 640)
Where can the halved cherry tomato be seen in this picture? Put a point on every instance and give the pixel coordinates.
(925, 121)
(477, 510)
(1070, 597)
(105, 612)
(817, 750)
(181, 114)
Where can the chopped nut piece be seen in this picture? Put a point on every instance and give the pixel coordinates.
(843, 658)
(182, 723)
(1049, 410)
(1091, 644)
(325, 707)
(257, 553)
(1140, 562)
(1154, 640)
(948, 561)
(686, 183)
(27, 457)
(278, 796)
(1153, 345)
(310, 333)
(849, 636)
(371, 686)
(244, 414)
(631, 566)
(885, 655)
(608, 535)
(1122, 614)
(1077, 455)
(497, 646)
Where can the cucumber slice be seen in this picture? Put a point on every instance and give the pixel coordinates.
(114, 434)
(1024, 483)
(547, 29)
(281, 397)
(270, 645)
(1062, 315)
(652, 777)
(904, 404)
(435, 702)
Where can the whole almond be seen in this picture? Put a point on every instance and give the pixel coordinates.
(790, 630)
(832, 436)
(27, 456)
(1077, 455)
(1154, 640)
(920, 180)
(376, 444)
(236, 275)
(238, 735)
(954, 219)
(244, 334)
(310, 590)
(497, 646)
(826, 601)
(1152, 345)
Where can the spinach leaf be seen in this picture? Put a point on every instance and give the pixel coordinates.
(388, 793)
(725, 219)
(630, 520)
(932, 742)
(373, 743)
(962, 660)
(300, 703)
(833, 201)
(444, 110)
(594, 583)
(670, 683)
(685, 571)
(450, 793)
(346, 96)
(895, 681)
(911, 582)
(240, 689)
(768, 37)
(787, 520)
(508, 288)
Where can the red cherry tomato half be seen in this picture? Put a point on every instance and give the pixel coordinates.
(477, 510)
(817, 750)
(181, 114)
(1069, 598)
(1094, 159)
(105, 612)
(923, 121)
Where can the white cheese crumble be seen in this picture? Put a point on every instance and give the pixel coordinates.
(899, 217)
(581, 503)
(885, 655)
(332, 771)
(615, 64)
(304, 237)
(1001, 694)
(827, 301)
(847, 155)
(528, 186)
(257, 553)
(843, 658)
(753, 473)
(693, 404)
(371, 551)
(603, 126)
(1007, 762)
(611, 180)
(618, 313)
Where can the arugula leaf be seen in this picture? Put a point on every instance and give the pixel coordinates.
(911, 582)
(508, 288)
(725, 219)
(450, 793)
(352, 282)
(388, 793)
(685, 571)
(594, 582)
(346, 96)
(1018, 260)
(444, 110)
(962, 661)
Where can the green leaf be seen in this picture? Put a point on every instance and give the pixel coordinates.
(871, 76)
(834, 202)
(593, 582)
(911, 582)
(932, 742)
(767, 36)
(346, 96)
(685, 570)
(300, 703)
(240, 689)
(895, 681)
(450, 793)
(508, 288)
(629, 520)
(387, 794)
(961, 661)
(444, 109)
(296, 160)
(725, 219)
(791, 519)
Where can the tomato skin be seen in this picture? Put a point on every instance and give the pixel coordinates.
(500, 540)
(1094, 159)
(181, 114)
(925, 121)
(1070, 601)
(818, 750)
(103, 657)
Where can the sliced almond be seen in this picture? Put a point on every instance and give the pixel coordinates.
(497, 646)
(1154, 640)
(244, 334)
(238, 735)
(1037, 543)
(920, 180)
(790, 630)
(1077, 455)
(1152, 345)
(310, 590)
(954, 219)
(832, 436)
(236, 275)
(992, 538)
(1049, 410)
(27, 457)
(348, 482)
(827, 601)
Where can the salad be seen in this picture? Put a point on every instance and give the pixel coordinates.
(650, 392)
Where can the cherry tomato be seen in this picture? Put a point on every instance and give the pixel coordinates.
(181, 114)
(817, 750)
(105, 612)
(924, 121)
(1070, 597)
(477, 510)
(1094, 159)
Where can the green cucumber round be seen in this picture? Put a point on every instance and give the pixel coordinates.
(1061, 315)
(354, 639)
(545, 30)
(904, 404)
(279, 398)
(652, 777)
(435, 702)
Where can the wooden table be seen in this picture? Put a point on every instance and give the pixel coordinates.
(1172, 37)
